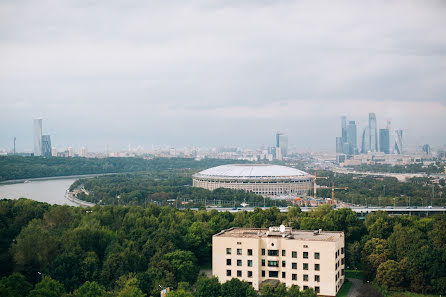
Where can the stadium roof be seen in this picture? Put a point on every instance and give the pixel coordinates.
(251, 171)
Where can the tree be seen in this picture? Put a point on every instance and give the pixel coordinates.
(208, 287)
(180, 293)
(237, 288)
(129, 287)
(184, 265)
(293, 291)
(14, 285)
(47, 288)
(390, 275)
(90, 289)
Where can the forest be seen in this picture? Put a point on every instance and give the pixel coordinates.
(410, 168)
(17, 167)
(50, 250)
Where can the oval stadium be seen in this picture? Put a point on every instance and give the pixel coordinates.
(263, 179)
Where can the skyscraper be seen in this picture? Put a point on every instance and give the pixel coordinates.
(384, 141)
(365, 142)
(339, 145)
(373, 132)
(352, 137)
(282, 144)
(398, 142)
(344, 128)
(46, 146)
(38, 137)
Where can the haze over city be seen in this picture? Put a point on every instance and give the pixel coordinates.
(214, 73)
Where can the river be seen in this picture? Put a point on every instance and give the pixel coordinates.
(51, 191)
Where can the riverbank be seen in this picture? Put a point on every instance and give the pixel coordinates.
(72, 197)
(18, 181)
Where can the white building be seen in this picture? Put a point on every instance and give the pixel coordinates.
(309, 259)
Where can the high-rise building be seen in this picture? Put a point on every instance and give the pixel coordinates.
(46, 146)
(83, 152)
(339, 145)
(365, 142)
(373, 132)
(344, 128)
(38, 137)
(309, 259)
(426, 149)
(384, 141)
(398, 148)
(70, 152)
(54, 152)
(282, 144)
(352, 137)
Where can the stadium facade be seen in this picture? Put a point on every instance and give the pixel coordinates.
(263, 179)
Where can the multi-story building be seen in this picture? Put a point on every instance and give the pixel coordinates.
(373, 132)
(46, 146)
(38, 137)
(309, 259)
(384, 141)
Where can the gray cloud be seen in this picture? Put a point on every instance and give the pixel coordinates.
(152, 72)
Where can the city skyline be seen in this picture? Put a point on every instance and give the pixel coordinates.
(204, 80)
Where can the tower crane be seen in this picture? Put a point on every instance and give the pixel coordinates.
(333, 192)
(316, 177)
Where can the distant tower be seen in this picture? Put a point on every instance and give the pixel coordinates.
(384, 141)
(352, 137)
(281, 144)
(344, 129)
(365, 143)
(46, 146)
(14, 145)
(373, 132)
(398, 142)
(38, 137)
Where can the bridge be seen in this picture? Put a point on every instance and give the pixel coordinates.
(361, 211)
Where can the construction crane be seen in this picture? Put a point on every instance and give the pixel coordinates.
(316, 177)
(333, 192)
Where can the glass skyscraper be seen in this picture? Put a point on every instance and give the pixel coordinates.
(46, 146)
(398, 142)
(384, 141)
(373, 132)
(351, 137)
(38, 137)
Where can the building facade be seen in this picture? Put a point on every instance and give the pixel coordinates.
(46, 146)
(262, 179)
(37, 137)
(309, 259)
(373, 132)
(384, 141)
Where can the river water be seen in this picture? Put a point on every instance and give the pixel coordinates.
(51, 191)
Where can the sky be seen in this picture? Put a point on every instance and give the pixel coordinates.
(220, 73)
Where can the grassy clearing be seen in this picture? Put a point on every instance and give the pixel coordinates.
(343, 292)
(387, 293)
(353, 274)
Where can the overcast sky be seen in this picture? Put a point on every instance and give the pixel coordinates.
(219, 72)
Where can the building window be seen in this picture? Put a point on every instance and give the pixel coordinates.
(239, 251)
(239, 273)
(249, 252)
(342, 261)
(249, 263)
(283, 253)
(305, 246)
(228, 272)
(283, 264)
(306, 277)
(249, 273)
(317, 290)
(273, 263)
(305, 255)
(305, 287)
(317, 278)
(317, 255)
(263, 252)
(316, 267)
(294, 254)
(238, 242)
(228, 251)
(305, 266)
(294, 265)
(283, 274)
(273, 252)
(263, 273)
(273, 273)
(239, 262)
(342, 271)
(342, 251)
(263, 262)
(294, 276)
(228, 261)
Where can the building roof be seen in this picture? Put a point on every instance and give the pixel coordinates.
(306, 235)
(251, 171)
